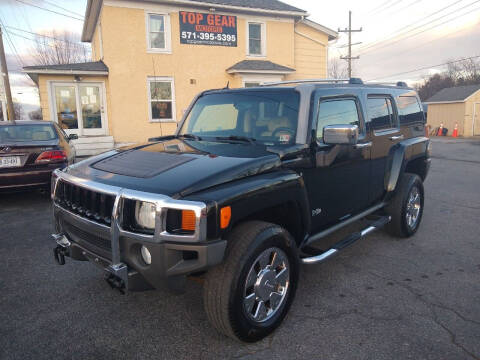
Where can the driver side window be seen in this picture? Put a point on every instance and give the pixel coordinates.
(337, 112)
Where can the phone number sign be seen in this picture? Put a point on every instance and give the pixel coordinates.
(208, 29)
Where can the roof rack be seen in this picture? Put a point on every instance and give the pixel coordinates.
(392, 83)
(325, 81)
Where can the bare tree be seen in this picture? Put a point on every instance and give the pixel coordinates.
(337, 69)
(60, 48)
(35, 114)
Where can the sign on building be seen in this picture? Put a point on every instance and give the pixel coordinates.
(208, 29)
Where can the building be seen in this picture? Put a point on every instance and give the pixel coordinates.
(150, 58)
(456, 105)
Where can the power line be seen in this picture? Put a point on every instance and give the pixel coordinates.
(38, 42)
(349, 58)
(399, 32)
(42, 35)
(59, 7)
(52, 11)
(421, 32)
(425, 68)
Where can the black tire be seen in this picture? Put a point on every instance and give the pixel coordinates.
(397, 208)
(225, 284)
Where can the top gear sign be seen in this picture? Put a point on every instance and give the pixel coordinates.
(208, 29)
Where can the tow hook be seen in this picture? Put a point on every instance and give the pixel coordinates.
(116, 275)
(62, 248)
(115, 282)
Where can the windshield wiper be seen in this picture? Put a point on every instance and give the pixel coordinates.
(237, 138)
(190, 136)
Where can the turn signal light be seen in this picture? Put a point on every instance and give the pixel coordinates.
(52, 156)
(225, 216)
(188, 220)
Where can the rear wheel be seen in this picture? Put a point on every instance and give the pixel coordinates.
(406, 208)
(249, 294)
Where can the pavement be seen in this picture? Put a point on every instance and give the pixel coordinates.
(383, 298)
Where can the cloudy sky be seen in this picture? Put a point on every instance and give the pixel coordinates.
(398, 35)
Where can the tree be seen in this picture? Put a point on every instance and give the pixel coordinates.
(59, 48)
(458, 73)
(35, 114)
(17, 109)
(337, 69)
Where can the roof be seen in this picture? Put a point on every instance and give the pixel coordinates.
(85, 68)
(94, 66)
(332, 34)
(266, 7)
(454, 94)
(258, 66)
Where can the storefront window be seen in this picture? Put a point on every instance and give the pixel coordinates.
(66, 101)
(161, 99)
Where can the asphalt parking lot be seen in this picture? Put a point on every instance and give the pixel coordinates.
(384, 298)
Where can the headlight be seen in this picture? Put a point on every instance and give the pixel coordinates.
(145, 214)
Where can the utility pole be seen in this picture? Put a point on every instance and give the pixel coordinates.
(349, 58)
(6, 81)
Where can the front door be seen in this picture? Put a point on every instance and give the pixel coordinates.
(338, 185)
(476, 119)
(79, 108)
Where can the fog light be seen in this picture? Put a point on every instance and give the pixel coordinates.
(146, 256)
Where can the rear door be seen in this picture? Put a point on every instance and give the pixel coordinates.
(338, 184)
(384, 130)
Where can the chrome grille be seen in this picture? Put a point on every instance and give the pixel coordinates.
(89, 204)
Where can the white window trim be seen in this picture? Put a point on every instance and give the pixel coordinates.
(248, 78)
(263, 39)
(168, 33)
(149, 97)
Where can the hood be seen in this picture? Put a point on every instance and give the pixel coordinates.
(176, 167)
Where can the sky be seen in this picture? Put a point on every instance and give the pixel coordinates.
(397, 35)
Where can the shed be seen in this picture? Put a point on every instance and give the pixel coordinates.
(456, 105)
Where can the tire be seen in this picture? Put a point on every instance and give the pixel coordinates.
(226, 288)
(401, 207)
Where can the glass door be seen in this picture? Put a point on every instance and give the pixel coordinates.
(79, 108)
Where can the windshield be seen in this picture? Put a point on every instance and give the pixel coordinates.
(266, 116)
(22, 133)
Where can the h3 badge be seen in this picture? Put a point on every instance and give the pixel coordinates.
(316, 212)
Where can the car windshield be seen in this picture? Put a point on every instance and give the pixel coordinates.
(267, 116)
(25, 133)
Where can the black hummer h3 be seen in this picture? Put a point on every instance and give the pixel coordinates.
(251, 179)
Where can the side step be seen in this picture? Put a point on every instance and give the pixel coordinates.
(349, 240)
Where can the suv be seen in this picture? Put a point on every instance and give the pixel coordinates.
(250, 180)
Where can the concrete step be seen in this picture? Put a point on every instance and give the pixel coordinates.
(92, 145)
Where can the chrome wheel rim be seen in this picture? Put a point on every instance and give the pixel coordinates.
(266, 285)
(413, 207)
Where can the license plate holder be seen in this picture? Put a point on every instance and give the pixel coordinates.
(10, 161)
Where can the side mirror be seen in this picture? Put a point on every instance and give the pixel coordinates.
(340, 134)
(72, 137)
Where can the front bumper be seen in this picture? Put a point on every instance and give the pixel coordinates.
(119, 251)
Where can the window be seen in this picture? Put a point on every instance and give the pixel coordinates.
(251, 84)
(158, 26)
(162, 99)
(380, 112)
(337, 112)
(409, 110)
(256, 39)
(22, 133)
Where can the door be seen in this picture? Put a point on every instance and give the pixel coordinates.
(79, 108)
(384, 130)
(338, 185)
(476, 119)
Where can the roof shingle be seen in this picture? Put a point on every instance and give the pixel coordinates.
(458, 93)
(254, 4)
(258, 65)
(85, 66)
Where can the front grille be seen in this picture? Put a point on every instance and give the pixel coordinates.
(89, 204)
(86, 237)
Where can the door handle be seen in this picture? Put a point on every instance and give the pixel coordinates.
(363, 145)
(398, 137)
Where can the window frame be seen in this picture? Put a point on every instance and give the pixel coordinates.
(263, 38)
(169, 79)
(167, 32)
(361, 127)
(396, 120)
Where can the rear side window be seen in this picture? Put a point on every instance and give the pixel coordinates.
(337, 112)
(380, 111)
(409, 109)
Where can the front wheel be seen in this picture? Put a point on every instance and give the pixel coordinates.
(406, 208)
(249, 294)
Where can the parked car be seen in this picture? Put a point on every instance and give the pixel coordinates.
(30, 151)
(251, 179)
